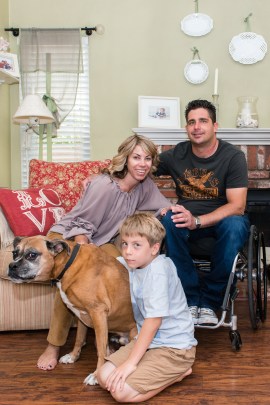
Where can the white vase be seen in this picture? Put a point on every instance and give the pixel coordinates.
(247, 112)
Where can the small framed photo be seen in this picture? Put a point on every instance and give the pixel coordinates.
(9, 64)
(159, 112)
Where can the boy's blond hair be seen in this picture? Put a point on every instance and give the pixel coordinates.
(143, 224)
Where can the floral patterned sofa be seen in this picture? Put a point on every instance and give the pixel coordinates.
(54, 188)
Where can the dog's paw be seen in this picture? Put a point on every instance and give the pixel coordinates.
(116, 341)
(67, 359)
(124, 340)
(91, 379)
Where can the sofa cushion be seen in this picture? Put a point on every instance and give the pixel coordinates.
(65, 178)
(31, 211)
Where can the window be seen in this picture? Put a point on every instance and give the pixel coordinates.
(72, 143)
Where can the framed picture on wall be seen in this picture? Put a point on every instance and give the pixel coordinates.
(159, 112)
(9, 64)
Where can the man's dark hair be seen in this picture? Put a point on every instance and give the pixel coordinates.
(195, 104)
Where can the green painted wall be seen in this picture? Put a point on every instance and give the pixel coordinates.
(4, 112)
(144, 51)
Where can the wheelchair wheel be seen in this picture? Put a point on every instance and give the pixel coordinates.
(236, 340)
(262, 278)
(253, 256)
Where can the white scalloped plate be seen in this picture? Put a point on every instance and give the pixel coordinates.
(247, 48)
(196, 71)
(197, 24)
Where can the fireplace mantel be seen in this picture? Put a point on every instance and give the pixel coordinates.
(236, 136)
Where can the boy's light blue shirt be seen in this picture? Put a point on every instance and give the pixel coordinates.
(156, 291)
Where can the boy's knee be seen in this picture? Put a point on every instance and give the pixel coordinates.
(119, 396)
(125, 395)
(101, 376)
(103, 373)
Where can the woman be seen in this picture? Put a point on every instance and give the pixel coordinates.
(125, 187)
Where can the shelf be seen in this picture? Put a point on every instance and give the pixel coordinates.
(236, 136)
(7, 78)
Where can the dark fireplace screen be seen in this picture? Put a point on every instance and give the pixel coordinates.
(258, 206)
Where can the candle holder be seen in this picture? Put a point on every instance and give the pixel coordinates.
(215, 98)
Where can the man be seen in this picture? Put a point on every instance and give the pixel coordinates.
(211, 184)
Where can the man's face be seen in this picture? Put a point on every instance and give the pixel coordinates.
(200, 128)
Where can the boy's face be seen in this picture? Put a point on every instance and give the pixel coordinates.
(137, 251)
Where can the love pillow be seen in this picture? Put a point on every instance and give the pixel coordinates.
(31, 211)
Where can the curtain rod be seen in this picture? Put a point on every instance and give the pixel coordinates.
(89, 31)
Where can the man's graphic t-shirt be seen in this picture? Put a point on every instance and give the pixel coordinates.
(201, 183)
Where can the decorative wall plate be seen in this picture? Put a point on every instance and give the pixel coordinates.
(196, 71)
(197, 24)
(247, 48)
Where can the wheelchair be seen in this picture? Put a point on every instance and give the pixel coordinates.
(249, 266)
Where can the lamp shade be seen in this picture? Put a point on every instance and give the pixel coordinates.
(33, 107)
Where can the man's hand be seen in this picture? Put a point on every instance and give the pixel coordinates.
(182, 217)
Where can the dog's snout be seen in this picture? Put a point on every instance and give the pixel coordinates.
(12, 271)
(12, 265)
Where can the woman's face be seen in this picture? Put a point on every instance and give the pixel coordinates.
(139, 163)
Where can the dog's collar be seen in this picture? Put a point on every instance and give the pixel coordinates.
(74, 253)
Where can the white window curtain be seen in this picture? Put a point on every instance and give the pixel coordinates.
(73, 137)
(51, 58)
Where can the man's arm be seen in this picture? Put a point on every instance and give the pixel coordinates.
(236, 204)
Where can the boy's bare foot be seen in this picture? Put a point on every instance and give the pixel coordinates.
(188, 372)
(49, 358)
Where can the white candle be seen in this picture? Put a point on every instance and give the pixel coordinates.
(216, 82)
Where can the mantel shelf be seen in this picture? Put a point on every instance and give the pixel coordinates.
(236, 136)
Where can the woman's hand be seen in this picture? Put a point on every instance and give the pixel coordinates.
(164, 211)
(81, 239)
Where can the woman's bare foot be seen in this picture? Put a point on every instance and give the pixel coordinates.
(49, 358)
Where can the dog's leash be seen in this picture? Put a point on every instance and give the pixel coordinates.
(74, 253)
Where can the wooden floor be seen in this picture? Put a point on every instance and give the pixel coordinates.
(220, 376)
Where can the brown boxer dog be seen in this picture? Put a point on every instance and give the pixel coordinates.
(93, 285)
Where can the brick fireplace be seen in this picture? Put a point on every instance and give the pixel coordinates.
(255, 143)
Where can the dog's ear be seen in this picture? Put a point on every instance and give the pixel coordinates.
(16, 241)
(57, 246)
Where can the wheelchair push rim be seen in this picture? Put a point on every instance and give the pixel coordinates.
(262, 278)
(257, 283)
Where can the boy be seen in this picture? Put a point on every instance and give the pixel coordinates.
(164, 350)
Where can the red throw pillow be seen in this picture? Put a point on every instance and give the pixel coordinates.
(65, 178)
(31, 211)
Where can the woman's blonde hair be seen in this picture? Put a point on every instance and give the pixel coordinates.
(143, 224)
(118, 167)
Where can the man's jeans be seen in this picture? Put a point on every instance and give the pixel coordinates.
(230, 233)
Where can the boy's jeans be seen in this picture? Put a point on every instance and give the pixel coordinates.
(230, 233)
